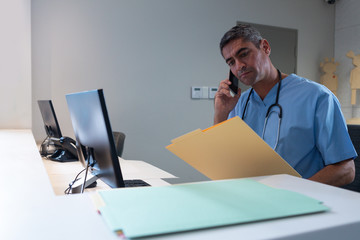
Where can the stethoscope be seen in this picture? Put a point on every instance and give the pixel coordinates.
(269, 112)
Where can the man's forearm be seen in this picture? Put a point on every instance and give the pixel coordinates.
(338, 174)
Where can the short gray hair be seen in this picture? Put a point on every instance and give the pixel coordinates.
(245, 32)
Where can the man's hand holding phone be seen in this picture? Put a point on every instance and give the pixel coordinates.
(224, 101)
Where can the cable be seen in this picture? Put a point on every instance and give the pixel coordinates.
(44, 152)
(44, 148)
(68, 190)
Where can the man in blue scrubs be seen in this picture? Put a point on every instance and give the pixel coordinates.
(311, 135)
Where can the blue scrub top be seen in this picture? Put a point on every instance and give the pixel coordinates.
(313, 131)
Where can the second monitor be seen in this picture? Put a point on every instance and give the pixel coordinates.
(94, 139)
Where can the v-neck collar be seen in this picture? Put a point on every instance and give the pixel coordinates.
(271, 96)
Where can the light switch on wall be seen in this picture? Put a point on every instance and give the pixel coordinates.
(199, 92)
(196, 92)
(212, 92)
(205, 92)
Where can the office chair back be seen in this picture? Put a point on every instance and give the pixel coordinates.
(354, 132)
(119, 139)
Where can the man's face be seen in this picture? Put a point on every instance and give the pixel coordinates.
(246, 61)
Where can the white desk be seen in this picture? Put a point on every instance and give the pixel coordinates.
(29, 209)
(62, 173)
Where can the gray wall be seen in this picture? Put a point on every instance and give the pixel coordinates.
(347, 35)
(15, 64)
(147, 54)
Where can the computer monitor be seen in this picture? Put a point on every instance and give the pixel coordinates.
(55, 146)
(51, 124)
(94, 139)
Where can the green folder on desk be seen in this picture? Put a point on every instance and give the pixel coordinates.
(146, 211)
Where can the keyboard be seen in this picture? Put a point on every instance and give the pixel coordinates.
(135, 183)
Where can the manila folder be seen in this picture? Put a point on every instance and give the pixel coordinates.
(230, 149)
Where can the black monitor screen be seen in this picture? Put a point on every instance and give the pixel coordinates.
(49, 118)
(94, 138)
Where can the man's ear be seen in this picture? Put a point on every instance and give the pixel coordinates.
(265, 46)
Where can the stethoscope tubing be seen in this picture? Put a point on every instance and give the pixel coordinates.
(276, 104)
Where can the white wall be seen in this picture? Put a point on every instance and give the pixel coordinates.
(347, 35)
(15, 64)
(147, 54)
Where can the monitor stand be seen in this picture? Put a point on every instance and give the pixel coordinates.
(89, 183)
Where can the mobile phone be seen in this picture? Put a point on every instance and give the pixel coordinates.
(234, 86)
